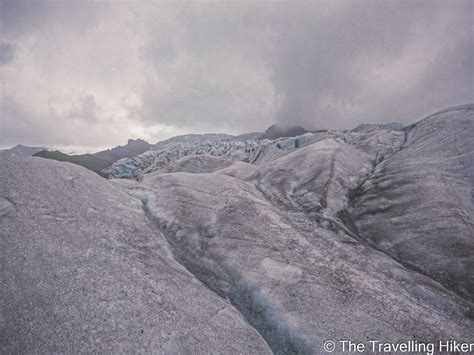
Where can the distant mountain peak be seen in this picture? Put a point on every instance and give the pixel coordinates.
(21, 149)
(279, 130)
(132, 148)
(137, 141)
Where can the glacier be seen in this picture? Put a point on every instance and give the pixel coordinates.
(245, 245)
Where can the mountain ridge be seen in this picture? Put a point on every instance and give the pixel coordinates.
(21, 149)
(88, 161)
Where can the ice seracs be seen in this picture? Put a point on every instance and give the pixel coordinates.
(369, 127)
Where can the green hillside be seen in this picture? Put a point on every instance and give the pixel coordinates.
(88, 161)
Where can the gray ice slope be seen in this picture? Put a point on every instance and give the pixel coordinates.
(418, 205)
(297, 281)
(318, 177)
(332, 235)
(84, 271)
(273, 244)
(206, 164)
(282, 242)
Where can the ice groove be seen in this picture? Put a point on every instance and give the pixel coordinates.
(243, 298)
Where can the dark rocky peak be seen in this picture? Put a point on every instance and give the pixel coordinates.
(277, 131)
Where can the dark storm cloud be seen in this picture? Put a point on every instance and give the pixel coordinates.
(327, 63)
(6, 53)
(153, 69)
(322, 68)
(20, 17)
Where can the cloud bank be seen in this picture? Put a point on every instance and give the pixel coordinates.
(93, 74)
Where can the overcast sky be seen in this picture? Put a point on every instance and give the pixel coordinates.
(87, 75)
